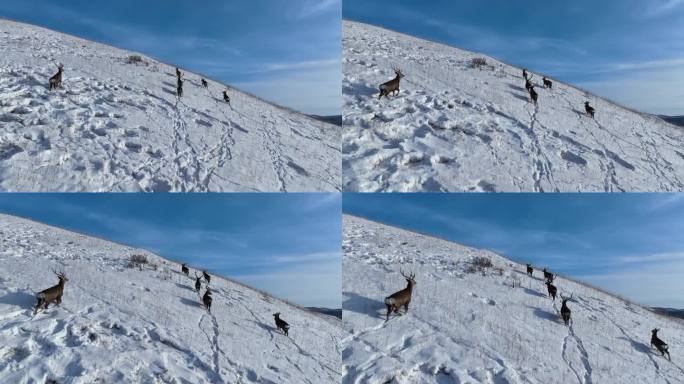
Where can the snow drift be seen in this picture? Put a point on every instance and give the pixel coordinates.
(117, 125)
(464, 125)
(496, 325)
(142, 322)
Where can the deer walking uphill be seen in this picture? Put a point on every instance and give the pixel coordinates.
(281, 324)
(184, 268)
(56, 79)
(565, 311)
(206, 300)
(401, 298)
(530, 270)
(391, 86)
(52, 294)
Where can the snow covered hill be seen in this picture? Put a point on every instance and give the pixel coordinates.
(456, 126)
(117, 125)
(493, 327)
(142, 323)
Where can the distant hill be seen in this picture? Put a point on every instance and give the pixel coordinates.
(327, 311)
(676, 120)
(333, 119)
(672, 312)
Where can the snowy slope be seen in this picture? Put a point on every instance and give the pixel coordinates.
(469, 328)
(120, 324)
(116, 126)
(457, 128)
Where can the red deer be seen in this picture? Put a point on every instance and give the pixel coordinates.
(589, 109)
(528, 84)
(56, 79)
(226, 98)
(206, 277)
(529, 269)
(659, 344)
(206, 299)
(391, 86)
(204, 83)
(548, 276)
(178, 73)
(533, 95)
(51, 294)
(401, 298)
(551, 289)
(179, 87)
(281, 324)
(198, 283)
(184, 268)
(547, 83)
(565, 311)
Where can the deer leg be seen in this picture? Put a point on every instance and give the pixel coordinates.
(406, 307)
(389, 310)
(59, 300)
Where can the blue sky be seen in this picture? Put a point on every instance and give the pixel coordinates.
(286, 244)
(284, 51)
(631, 244)
(630, 51)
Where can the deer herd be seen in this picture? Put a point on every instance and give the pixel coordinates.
(56, 82)
(392, 87)
(54, 295)
(402, 298)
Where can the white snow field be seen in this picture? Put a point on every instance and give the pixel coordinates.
(486, 327)
(458, 127)
(118, 324)
(118, 126)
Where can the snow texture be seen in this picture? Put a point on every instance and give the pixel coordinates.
(117, 125)
(459, 126)
(492, 326)
(121, 323)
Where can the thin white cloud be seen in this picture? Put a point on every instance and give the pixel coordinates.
(316, 7)
(661, 6)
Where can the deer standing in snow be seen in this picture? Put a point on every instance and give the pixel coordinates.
(206, 277)
(226, 98)
(589, 109)
(179, 87)
(548, 276)
(401, 298)
(204, 83)
(184, 268)
(659, 344)
(547, 83)
(198, 283)
(206, 299)
(281, 324)
(52, 294)
(565, 311)
(530, 270)
(551, 289)
(391, 86)
(56, 79)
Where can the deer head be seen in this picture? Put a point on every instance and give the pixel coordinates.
(60, 275)
(410, 279)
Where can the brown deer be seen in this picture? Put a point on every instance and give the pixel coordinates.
(528, 84)
(547, 83)
(589, 109)
(281, 324)
(184, 268)
(659, 344)
(391, 86)
(533, 95)
(401, 298)
(565, 311)
(551, 289)
(530, 270)
(548, 276)
(51, 294)
(206, 299)
(56, 79)
(204, 83)
(206, 277)
(179, 87)
(198, 283)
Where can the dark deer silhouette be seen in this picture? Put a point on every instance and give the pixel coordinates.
(659, 344)
(281, 324)
(547, 83)
(206, 277)
(184, 268)
(198, 283)
(565, 311)
(525, 73)
(589, 109)
(528, 84)
(552, 290)
(391, 86)
(178, 73)
(52, 294)
(530, 270)
(533, 95)
(206, 299)
(56, 79)
(204, 83)
(179, 87)
(401, 298)
(226, 98)
(548, 276)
